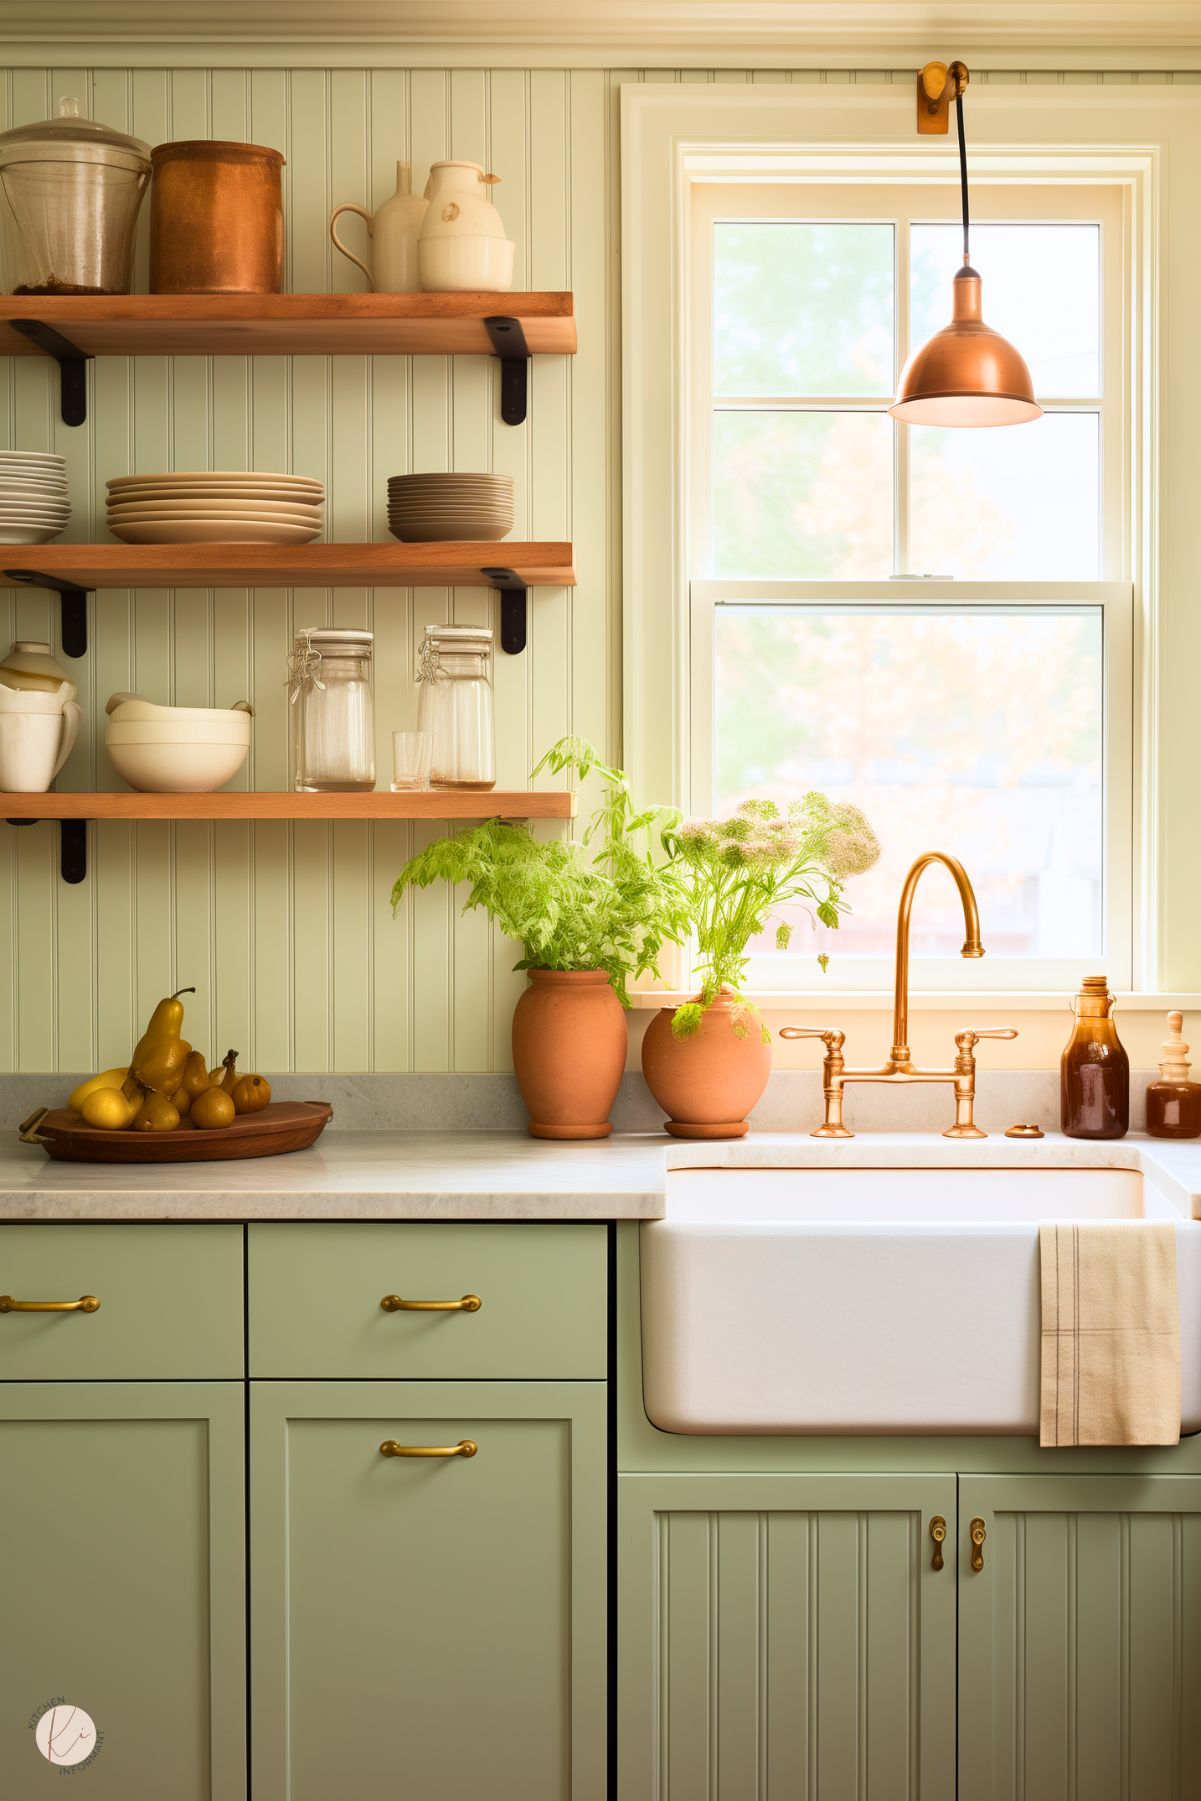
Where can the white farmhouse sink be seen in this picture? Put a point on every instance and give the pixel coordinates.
(870, 1300)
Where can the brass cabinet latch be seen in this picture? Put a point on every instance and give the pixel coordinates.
(938, 1532)
(979, 1533)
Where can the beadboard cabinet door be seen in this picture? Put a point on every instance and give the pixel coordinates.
(428, 1626)
(122, 1590)
(786, 1636)
(1080, 1639)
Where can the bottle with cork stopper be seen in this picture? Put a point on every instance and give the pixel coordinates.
(1094, 1071)
(1174, 1103)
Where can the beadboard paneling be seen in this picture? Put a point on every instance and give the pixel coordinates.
(779, 1638)
(287, 931)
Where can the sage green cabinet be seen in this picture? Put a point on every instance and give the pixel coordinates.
(432, 1626)
(1080, 1639)
(122, 1582)
(787, 1636)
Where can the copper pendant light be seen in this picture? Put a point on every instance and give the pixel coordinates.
(967, 374)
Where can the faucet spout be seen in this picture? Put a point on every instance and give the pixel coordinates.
(899, 1057)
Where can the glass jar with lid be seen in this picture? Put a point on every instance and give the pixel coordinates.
(455, 705)
(70, 192)
(333, 712)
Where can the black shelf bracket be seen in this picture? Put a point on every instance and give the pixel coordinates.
(514, 608)
(72, 847)
(508, 343)
(74, 630)
(72, 367)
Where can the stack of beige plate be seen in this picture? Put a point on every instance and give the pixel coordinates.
(215, 506)
(34, 503)
(459, 508)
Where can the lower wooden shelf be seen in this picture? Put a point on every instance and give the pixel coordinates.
(426, 803)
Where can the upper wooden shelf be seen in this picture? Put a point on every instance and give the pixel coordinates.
(384, 565)
(426, 803)
(287, 324)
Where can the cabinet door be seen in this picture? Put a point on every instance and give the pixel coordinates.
(786, 1635)
(1080, 1639)
(122, 1577)
(432, 1626)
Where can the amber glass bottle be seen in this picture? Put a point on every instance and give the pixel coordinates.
(1094, 1071)
(1173, 1102)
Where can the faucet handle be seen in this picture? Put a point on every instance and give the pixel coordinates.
(971, 1035)
(830, 1036)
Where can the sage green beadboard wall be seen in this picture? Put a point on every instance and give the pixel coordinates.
(287, 931)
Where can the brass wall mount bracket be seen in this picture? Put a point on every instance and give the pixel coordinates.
(937, 85)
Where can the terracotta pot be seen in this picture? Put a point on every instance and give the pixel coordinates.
(707, 1084)
(569, 1052)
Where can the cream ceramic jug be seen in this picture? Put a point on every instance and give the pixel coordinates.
(392, 229)
(38, 729)
(462, 243)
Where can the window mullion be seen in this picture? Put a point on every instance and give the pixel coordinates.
(900, 433)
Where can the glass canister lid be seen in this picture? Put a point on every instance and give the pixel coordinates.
(460, 637)
(70, 137)
(332, 639)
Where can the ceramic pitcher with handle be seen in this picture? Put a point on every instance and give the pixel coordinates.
(38, 729)
(392, 229)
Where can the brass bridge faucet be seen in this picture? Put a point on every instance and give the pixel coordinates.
(900, 1067)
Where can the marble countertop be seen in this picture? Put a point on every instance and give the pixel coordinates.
(503, 1175)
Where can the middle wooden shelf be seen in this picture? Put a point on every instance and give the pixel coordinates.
(384, 565)
(419, 803)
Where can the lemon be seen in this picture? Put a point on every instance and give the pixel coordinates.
(106, 1108)
(111, 1078)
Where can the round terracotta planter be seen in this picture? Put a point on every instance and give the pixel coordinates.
(707, 1084)
(569, 1052)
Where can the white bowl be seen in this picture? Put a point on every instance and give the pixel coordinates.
(123, 708)
(143, 732)
(176, 768)
(465, 265)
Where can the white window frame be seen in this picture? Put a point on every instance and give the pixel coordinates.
(892, 203)
(1129, 140)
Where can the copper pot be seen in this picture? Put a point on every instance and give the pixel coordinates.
(216, 219)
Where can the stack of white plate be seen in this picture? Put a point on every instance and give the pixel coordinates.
(34, 503)
(423, 509)
(215, 506)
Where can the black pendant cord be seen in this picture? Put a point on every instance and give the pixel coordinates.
(962, 173)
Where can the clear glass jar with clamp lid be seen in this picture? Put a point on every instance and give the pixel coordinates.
(332, 710)
(455, 705)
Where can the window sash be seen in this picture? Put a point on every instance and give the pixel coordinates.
(902, 204)
(949, 974)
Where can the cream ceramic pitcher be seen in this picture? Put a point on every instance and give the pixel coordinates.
(462, 245)
(392, 229)
(38, 729)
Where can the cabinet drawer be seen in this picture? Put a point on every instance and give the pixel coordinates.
(316, 1293)
(170, 1297)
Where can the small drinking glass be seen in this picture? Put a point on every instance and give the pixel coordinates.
(411, 760)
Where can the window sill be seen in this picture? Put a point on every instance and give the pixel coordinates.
(815, 999)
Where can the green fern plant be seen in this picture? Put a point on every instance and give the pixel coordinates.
(605, 901)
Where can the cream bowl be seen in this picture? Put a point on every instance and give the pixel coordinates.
(197, 768)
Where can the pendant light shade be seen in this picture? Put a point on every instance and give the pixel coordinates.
(967, 374)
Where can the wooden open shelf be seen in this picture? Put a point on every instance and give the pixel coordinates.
(432, 803)
(390, 565)
(287, 324)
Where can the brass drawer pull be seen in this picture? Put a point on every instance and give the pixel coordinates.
(979, 1533)
(938, 1532)
(87, 1303)
(392, 1303)
(466, 1447)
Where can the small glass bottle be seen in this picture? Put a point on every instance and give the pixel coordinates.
(455, 705)
(332, 710)
(1174, 1103)
(1094, 1071)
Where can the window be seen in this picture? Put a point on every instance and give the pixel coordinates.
(935, 624)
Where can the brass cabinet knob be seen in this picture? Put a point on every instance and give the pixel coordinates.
(979, 1533)
(87, 1303)
(938, 1532)
(393, 1303)
(466, 1447)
